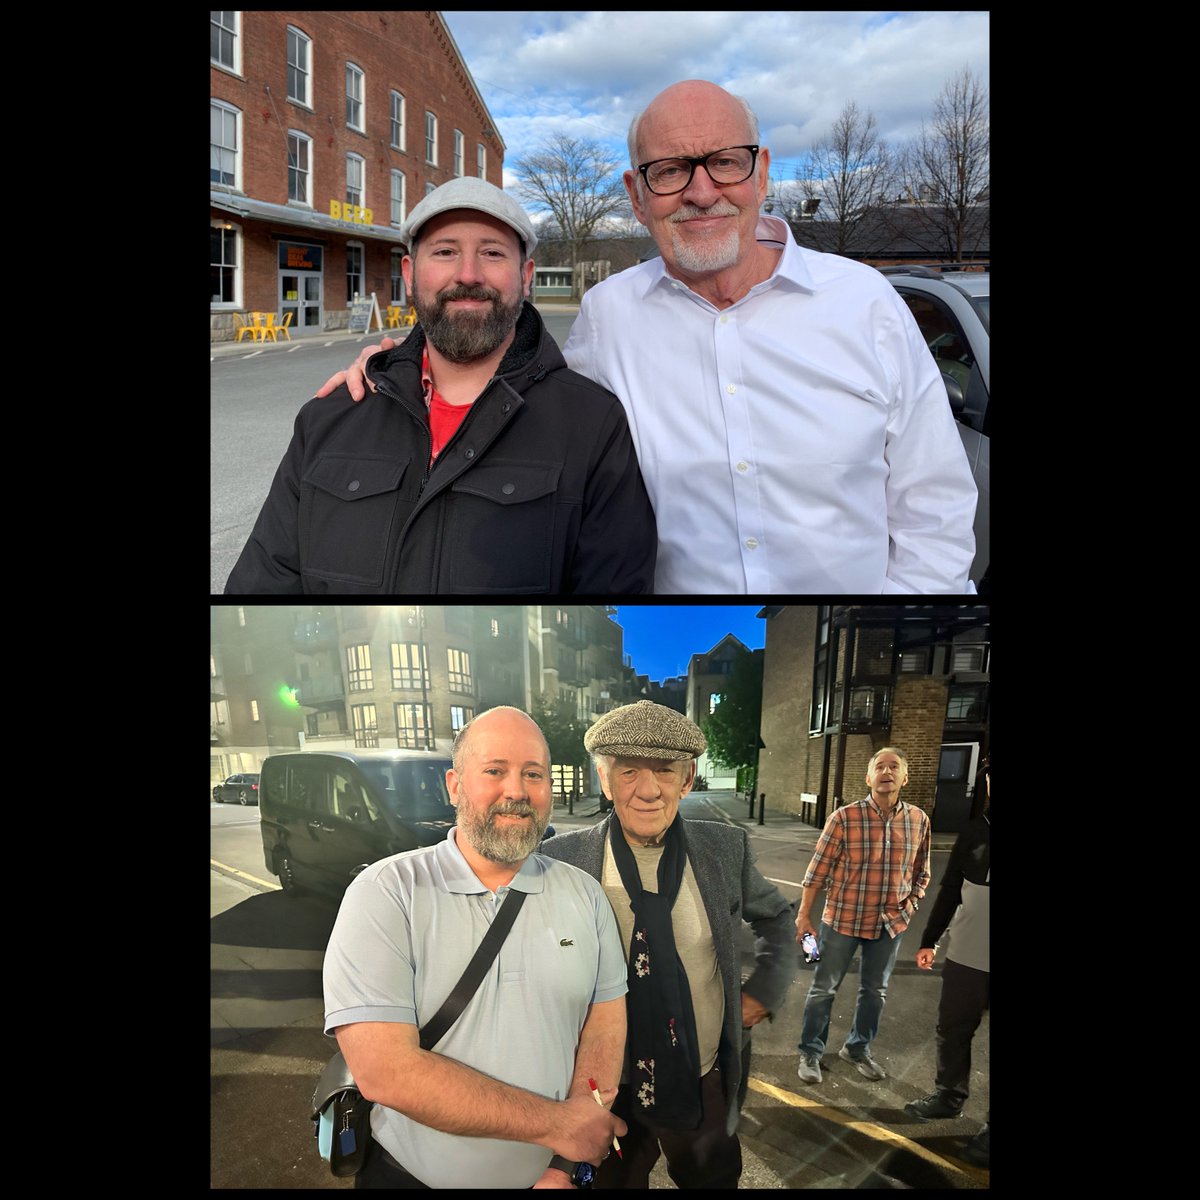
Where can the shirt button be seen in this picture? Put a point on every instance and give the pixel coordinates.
(509, 488)
(469, 454)
(743, 466)
(752, 543)
(353, 485)
(724, 320)
(730, 388)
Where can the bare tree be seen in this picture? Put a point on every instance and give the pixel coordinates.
(850, 172)
(578, 181)
(947, 170)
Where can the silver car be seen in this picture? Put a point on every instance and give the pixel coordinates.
(951, 308)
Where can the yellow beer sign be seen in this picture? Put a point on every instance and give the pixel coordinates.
(350, 212)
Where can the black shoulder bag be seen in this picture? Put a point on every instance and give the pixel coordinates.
(341, 1115)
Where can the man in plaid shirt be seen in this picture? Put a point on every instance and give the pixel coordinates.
(874, 857)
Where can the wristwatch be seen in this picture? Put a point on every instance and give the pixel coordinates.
(580, 1174)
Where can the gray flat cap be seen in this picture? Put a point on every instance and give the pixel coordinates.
(645, 730)
(471, 192)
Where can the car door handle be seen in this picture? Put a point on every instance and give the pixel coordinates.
(315, 825)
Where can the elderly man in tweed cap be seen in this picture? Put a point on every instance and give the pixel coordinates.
(680, 890)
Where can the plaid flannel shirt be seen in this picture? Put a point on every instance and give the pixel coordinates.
(876, 867)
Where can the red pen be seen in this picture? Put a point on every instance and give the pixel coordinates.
(596, 1093)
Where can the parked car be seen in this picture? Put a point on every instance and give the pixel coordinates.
(327, 814)
(952, 307)
(237, 789)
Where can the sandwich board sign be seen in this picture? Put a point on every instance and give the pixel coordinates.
(364, 311)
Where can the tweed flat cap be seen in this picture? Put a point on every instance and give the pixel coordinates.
(645, 730)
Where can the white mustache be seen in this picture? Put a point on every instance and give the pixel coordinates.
(688, 212)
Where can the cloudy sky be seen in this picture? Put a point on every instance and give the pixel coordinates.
(588, 73)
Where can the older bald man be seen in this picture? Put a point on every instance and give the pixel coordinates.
(680, 890)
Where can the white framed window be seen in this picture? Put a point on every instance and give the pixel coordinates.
(431, 138)
(397, 121)
(299, 167)
(397, 198)
(225, 158)
(299, 70)
(354, 271)
(226, 269)
(355, 170)
(481, 160)
(355, 116)
(458, 152)
(225, 40)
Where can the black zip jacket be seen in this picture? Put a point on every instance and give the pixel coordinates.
(539, 490)
(970, 859)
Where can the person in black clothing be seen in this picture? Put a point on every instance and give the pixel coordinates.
(480, 462)
(962, 907)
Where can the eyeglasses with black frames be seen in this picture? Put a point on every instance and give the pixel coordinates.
(666, 176)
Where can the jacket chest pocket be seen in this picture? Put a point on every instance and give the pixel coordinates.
(348, 512)
(502, 534)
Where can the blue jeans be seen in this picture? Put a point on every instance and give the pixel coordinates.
(875, 969)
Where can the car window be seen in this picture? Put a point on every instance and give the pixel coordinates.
(308, 787)
(414, 789)
(952, 351)
(351, 801)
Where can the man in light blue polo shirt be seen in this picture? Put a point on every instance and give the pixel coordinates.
(506, 1088)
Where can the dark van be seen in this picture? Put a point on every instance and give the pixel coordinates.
(328, 814)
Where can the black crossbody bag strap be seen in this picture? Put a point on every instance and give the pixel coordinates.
(450, 1011)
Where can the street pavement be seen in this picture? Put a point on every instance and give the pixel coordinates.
(267, 1045)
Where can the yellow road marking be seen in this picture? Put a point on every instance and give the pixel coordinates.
(871, 1130)
(242, 875)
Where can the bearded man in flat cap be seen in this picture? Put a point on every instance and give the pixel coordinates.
(680, 890)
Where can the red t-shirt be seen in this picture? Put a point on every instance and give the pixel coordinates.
(444, 418)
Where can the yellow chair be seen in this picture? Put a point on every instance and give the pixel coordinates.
(239, 323)
(287, 320)
(269, 328)
(410, 318)
(393, 316)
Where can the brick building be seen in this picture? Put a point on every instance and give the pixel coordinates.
(842, 681)
(326, 128)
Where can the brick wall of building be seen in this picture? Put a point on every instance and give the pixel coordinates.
(409, 52)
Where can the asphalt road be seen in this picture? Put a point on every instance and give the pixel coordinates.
(256, 392)
(267, 1045)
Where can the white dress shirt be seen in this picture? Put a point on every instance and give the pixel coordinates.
(797, 442)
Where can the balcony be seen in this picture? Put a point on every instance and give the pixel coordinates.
(870, 708)
(323, 692)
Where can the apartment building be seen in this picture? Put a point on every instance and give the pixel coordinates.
(325, 129)
(708, 676)
(842, 681)
(411, 676)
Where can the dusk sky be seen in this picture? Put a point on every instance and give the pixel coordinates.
(660, 639)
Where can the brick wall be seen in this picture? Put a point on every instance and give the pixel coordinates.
(409, 52)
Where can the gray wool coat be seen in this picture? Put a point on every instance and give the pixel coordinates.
(734, 891)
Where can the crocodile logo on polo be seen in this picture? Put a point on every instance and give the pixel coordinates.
(565, 942)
